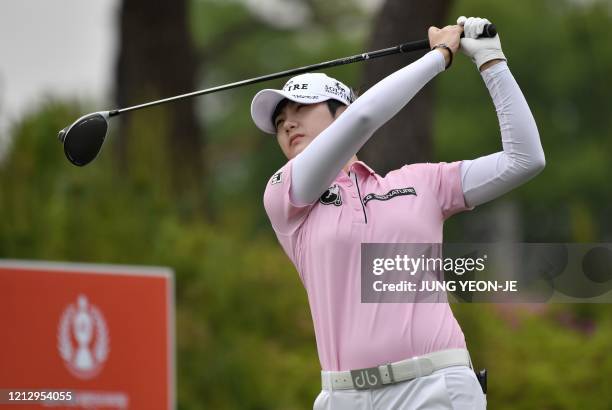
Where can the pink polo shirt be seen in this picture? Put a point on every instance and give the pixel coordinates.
(323, 240)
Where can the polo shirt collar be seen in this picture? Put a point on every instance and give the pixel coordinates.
(361, 166)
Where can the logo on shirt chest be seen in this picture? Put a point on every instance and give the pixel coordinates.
(391, 194)
(331, 196)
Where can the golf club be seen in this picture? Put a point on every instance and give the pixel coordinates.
(84, 138)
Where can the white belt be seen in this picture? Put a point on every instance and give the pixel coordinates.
(396, 372)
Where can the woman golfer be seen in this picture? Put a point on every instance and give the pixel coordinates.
(384, 355)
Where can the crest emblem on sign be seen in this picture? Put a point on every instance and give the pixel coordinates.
(83, 339)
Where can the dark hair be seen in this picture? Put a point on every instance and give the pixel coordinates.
(332, 106)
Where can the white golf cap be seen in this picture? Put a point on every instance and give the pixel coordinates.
(310, 88)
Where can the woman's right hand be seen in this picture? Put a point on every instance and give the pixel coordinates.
(449, 35)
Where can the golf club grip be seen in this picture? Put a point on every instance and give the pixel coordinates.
(489, 31)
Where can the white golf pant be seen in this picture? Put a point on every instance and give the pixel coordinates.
(451, 388)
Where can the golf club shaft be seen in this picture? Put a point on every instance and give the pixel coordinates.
(402, 48)
(489, 31)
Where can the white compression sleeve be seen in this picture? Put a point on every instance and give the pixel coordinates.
(491, 176)
(316, 167)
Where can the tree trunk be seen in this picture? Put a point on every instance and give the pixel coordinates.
(406, 138)
(161, 146)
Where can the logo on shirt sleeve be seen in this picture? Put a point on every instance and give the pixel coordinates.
(331, 196)
(391, 194)
(276, 178)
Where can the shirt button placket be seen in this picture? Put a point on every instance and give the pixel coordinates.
(356, 203)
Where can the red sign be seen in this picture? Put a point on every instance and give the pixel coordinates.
(103, 335)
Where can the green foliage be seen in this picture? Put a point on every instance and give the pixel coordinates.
(240, 304)
(554, 49)
(541, 361)
(244, 331)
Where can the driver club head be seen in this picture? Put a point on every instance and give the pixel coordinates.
(83, 139)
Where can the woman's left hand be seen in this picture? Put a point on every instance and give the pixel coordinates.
(483, 51)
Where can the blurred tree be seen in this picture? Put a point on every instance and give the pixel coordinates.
(243, 39)
(407, 138)
(161, 146)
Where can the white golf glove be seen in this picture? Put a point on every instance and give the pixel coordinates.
(480, 50)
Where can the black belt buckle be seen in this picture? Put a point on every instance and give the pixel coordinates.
(482, 379)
